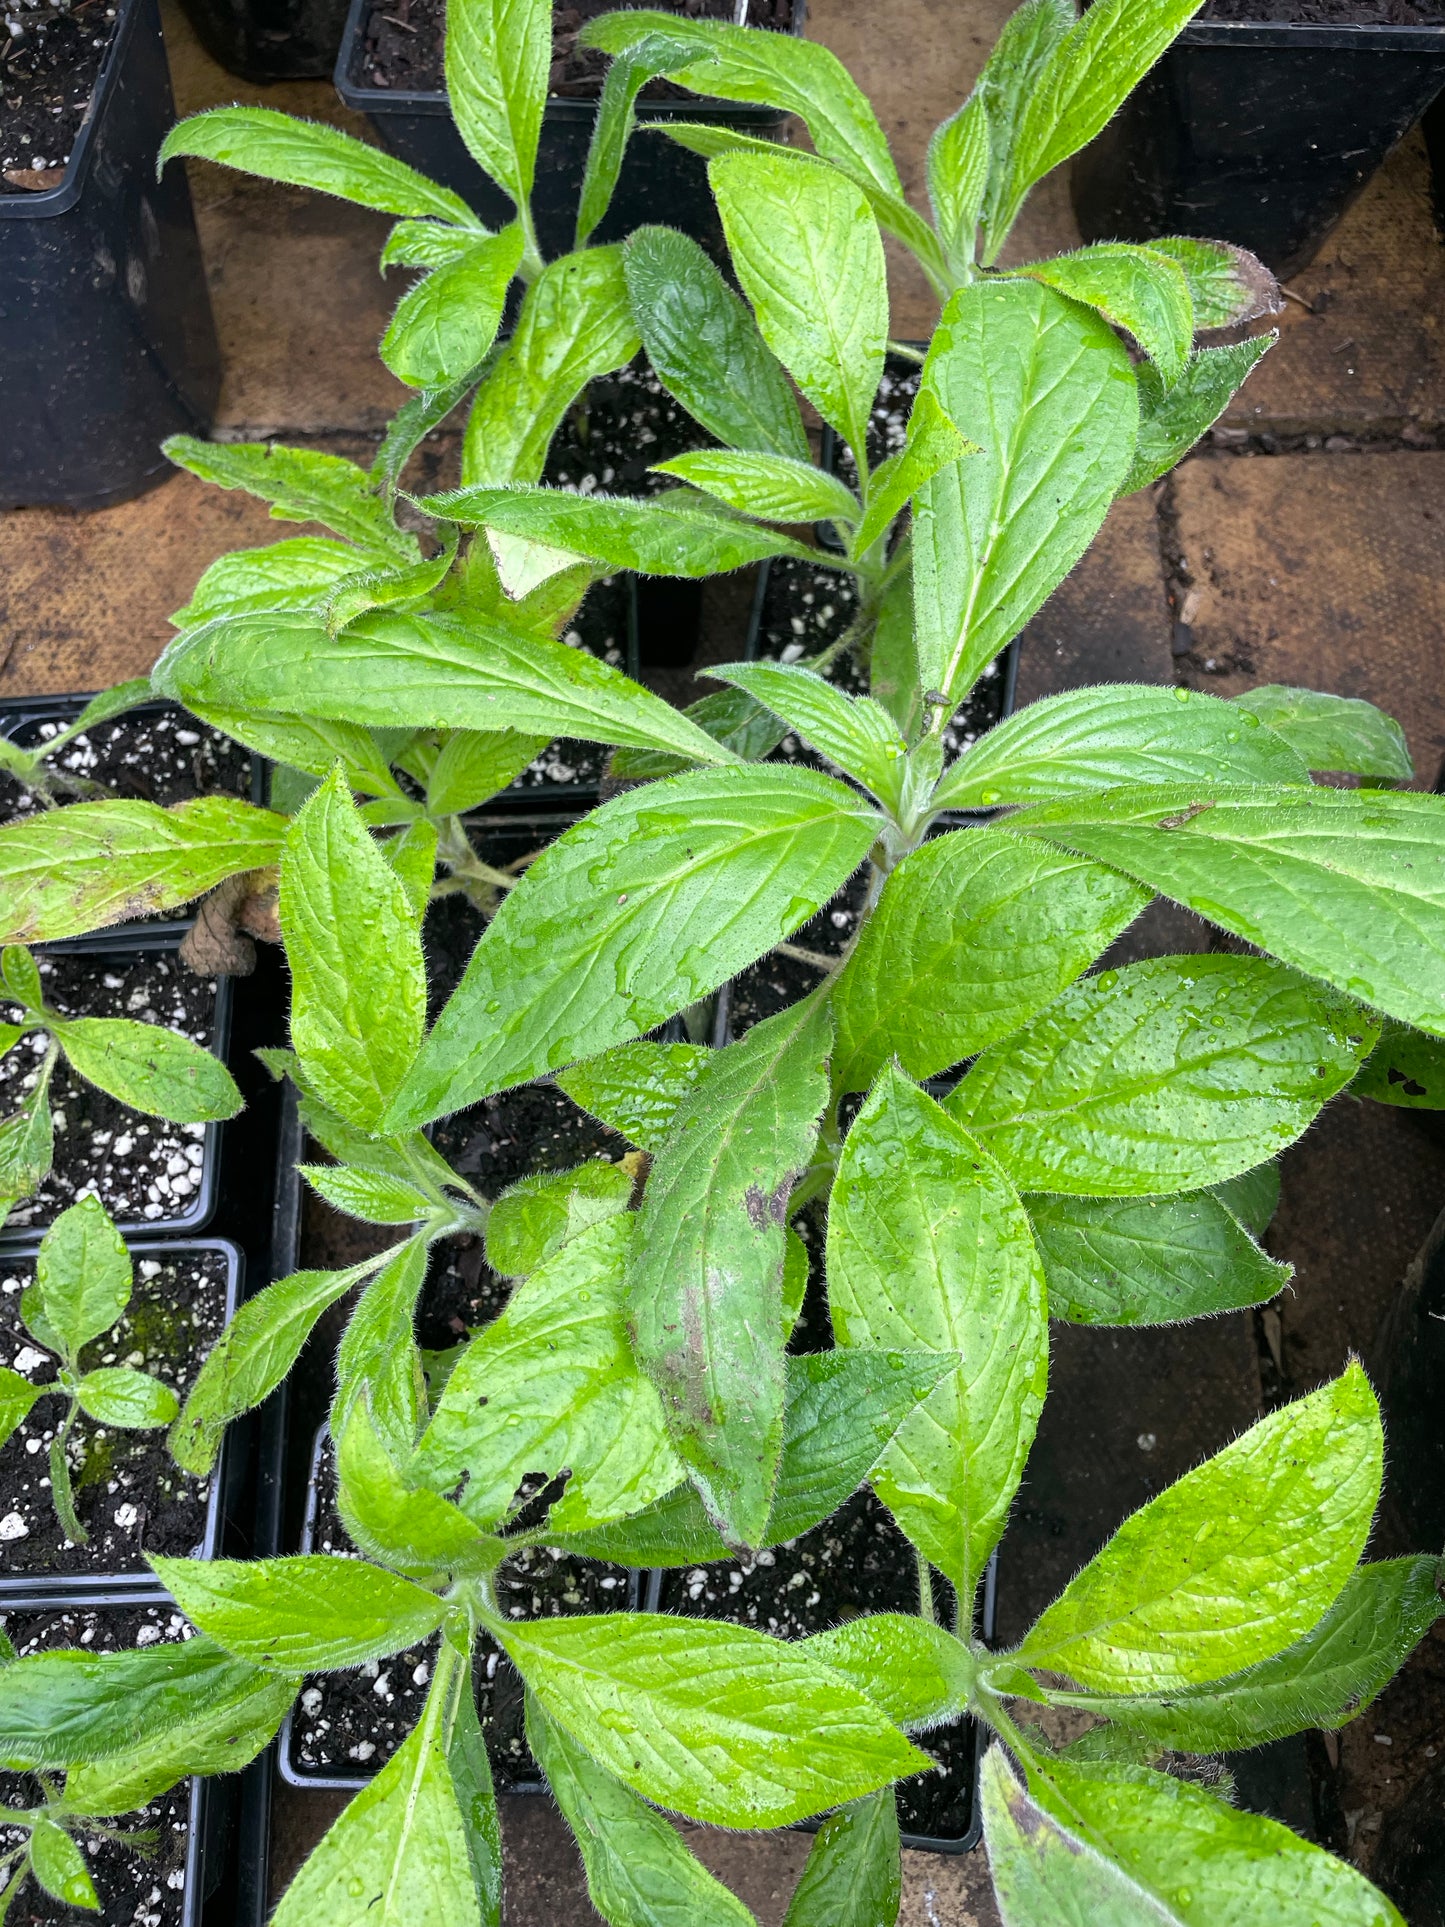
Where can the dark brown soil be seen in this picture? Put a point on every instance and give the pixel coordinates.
(536, 1128)
(130, 1495)
(1332, 13)
(351, 1723)
(402, 43)
(49, 63)
(164, 758)
(144, 1170)
(137, 1887)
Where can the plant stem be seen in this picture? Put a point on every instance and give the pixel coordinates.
(814, 959)
(926, 1607)
(62, 1497)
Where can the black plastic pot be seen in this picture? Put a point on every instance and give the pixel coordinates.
(105, 323)
(1409, 1370)
(23, 717)
(125, 945)
(1256, 133)
(270, 39)
(34, 1591)
(660, 182)
(266, 1437)
(294, 1770)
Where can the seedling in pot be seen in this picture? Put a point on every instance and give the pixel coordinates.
(159, 1706)
(82, 1286)
(34, 767)
(153, 1070)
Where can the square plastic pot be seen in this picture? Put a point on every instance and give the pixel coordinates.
(37, 1591)
(1256, 133)
(270, 39)
(106, 334)
(659, 183)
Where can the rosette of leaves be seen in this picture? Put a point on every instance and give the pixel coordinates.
(81, 1288)
(1037, 1135)
(152, 1069)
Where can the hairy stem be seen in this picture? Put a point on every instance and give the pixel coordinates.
(61, 1493)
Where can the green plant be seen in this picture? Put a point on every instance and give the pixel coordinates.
(81, 1287)
(154, 1070)
(1105, 1155)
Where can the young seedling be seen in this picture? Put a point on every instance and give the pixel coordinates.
(149, 1717)
(154, 1070)
(81, 1288)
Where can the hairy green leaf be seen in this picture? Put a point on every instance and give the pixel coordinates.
(1166, 1076)
(1089, 72)
(932, 443)
(302, 485)
(1094, 739)
(627, 75)
(705, 348)
(474, 765)
(1044, 1876)
(1171, 420)
(1332, 732)
(1149, 1261)
(929, 1246)
(1233, 1562)
(498, 53)
(414, 1531)
(775, 70)
(1325, 1679)
(210, 1735)
(853, 731)
(72, 1706)
(307, 1613)
(853, 1876)
(65, 872)
(639, 1873)
(1208, 1864)
(1010, 77)
(918, 1673)
(705, 1288)
(358, 984)
(637, 1088)
(717, 1722)
(551, 1385)
(398, 1856)
(667, 535)
(958, 169)
(304, 153)
(299, 573)
(1138, 289)
(575, 324)
(250, 1359)
(445, 323)
(59, 1866)
(82, 1280)
(429, 671)
(970, 939)
(778, 488)
(724, 864)
(807, 251)
(120, 1396)
(376, 1197)
(152, 1069)
(537, 1215)
(1297, 872)
(378, 1356)
(1046, 389)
